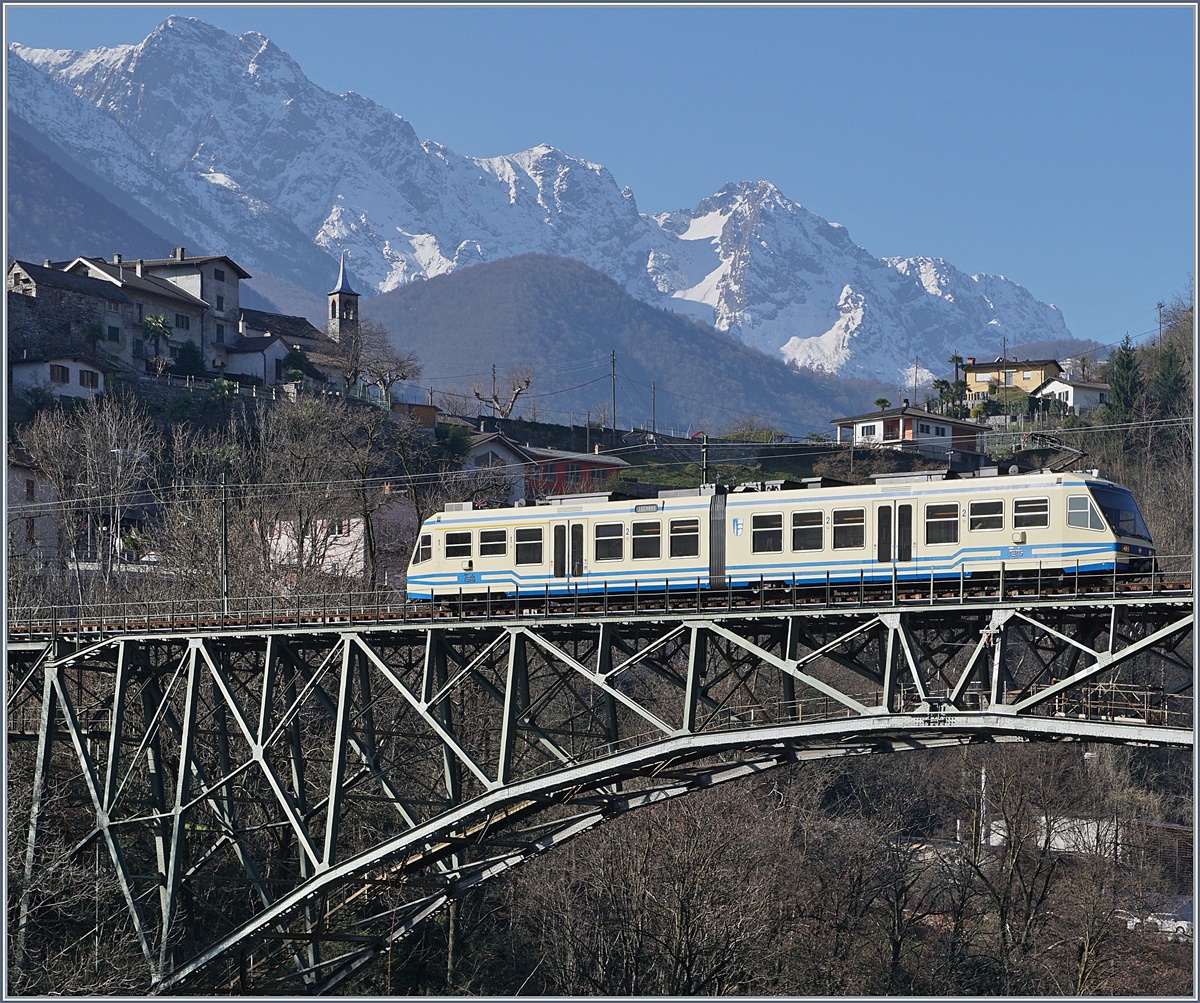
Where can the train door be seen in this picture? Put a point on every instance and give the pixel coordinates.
(893, 532)
(716, 542)
(568, 551)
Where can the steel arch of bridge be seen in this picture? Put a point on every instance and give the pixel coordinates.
(349, 780)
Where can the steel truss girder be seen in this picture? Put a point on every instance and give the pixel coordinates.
(319, 766)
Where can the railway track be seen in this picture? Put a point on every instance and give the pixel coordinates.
(41, 624)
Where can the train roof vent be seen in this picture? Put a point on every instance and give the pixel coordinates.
(823, 482)
(596, 496)
(702, 491)
(780, 485)
(459, 506)
(911, 476)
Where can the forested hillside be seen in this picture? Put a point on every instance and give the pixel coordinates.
(553, 316)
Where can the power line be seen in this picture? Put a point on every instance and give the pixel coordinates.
(197, 491)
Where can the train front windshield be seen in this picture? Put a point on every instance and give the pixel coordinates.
(1120, 511)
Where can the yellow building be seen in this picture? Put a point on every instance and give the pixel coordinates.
(1011, 374)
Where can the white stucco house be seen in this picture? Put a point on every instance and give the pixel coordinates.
(62, 375)
(1080, 396)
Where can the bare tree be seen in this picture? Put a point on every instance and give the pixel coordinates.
(97, 456)
(387, 366)
(504, 395)
(365, 353)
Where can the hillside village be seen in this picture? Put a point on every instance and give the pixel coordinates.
(171, 334)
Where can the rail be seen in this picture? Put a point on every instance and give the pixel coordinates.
(97, 621)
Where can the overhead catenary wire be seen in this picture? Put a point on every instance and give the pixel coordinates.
(245, 492)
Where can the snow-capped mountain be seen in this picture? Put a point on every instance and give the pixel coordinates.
(226, 139)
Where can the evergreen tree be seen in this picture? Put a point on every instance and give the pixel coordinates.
(1168, 384)
(1125, 386)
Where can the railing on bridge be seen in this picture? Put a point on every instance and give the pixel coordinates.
(98, 620)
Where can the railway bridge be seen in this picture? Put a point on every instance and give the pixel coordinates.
(338, 772)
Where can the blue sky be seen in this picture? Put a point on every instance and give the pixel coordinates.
(1053, 145)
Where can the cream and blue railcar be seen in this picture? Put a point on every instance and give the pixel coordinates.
(1030, 523)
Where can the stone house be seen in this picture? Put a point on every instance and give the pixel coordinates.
(118, 295)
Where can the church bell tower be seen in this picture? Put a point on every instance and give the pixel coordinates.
(343, 306)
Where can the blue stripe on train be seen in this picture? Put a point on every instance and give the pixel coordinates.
(1069, 556)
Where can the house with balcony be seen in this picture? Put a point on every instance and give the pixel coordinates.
(1007, 374)
(910, 429)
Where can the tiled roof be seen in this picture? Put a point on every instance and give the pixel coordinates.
(146, 284)
(911, 412)
(57, 279)
(1010, 362)
(535, 453)
(199, 259)
(544, 453)
(68, 356)
(250, 345)
(287, 327)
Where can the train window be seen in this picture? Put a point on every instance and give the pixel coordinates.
(986, 515)
(647, 541)
(849, 529)
(424, 548)
(609, 541)
(808, 530)
(941, 523)
(1121, 511)
(1082, 514)
(458, 544)
(767, 534)
(1031, 513)
(529, 546)
(493, 543)
(685, 537)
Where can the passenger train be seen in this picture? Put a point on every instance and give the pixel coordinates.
(779, 533)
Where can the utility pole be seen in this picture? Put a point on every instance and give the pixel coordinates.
(1160, 310)
(614, 397)
(653, 412)
(224, 545)
(1003, 381)
(493, 390)
(703, 458)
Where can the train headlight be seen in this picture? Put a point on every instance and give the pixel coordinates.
(1124, 548)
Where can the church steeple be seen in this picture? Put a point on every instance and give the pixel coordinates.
(343, 305)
